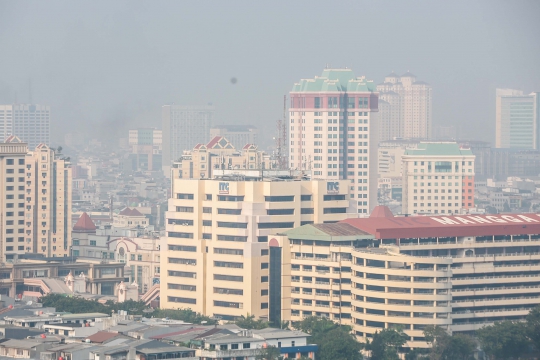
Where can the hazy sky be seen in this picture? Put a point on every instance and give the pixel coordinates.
(106, 66)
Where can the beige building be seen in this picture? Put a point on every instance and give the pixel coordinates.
(48, 200)
(36, 201)
(215, 254)
(219, 154)
(334, 131)
(438, 178)
(406, 111)
(517, 122)
(457, 272)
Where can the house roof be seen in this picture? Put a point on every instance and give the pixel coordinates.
(102, 336)
(130, 212)
(84, 224)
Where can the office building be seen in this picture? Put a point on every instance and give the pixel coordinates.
(145, 150)
(457, 272)
(389, 156)
(406, 110)
(30, 123)
(36, 200)
(334, 131)
(215, 254)
(238, 135)
(219, 154)
(517, 120)
(183, 128)
(438, 178)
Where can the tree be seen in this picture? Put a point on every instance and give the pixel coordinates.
(269, 353)
(504, 340)
(338, 344)
(438, 338)
(249, 322)
(335, 342)
(533, 327)
(460, 347)
(386, 343)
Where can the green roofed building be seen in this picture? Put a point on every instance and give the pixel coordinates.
(438, 178)
(333, 131)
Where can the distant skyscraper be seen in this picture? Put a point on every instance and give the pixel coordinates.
(238, 135)
(30, 123)
(517, 120)
(183, 128)
(334, 131)
(146, 146)
(405, 109)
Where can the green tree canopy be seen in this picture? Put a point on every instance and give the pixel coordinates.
(249, 322)
(504, 340)
(386, 343)
(269, 353)
(533, 327)
(335, 341)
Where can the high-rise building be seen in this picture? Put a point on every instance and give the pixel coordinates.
(30, 123)
(36, 200)
(12, 199)
(146, 150)
(183, 128)
(48, 197)
(334, 131)
(219, 154)
(215, 256)
(238, 135)
(406, 111)
(517, 120)
(438, 178)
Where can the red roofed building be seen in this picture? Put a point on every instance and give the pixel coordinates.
(130, 218)
(459, 272)
(84, 225)
(219, 154)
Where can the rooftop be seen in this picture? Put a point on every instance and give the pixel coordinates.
(393, 227)
(335, 80)
(328, 232)
(438, 149)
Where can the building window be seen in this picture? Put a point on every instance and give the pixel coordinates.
(184, 196)
(279, 198)
(264, 279)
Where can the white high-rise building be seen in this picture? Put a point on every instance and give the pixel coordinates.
(517, 120)
(406, 110)
(183, 128)
(30, 123)
(334, 131)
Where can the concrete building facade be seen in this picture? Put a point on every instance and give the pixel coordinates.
(183, 128)
(334, 131)
(29, 122)
(215, 255)
(36, 200)
(438, 178)
(219, 154)
(146, 145)
(406, 111)
(457, 272)
(517, 120)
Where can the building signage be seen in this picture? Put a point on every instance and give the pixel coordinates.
(223, 187)
(487, 219)
(332, 187)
